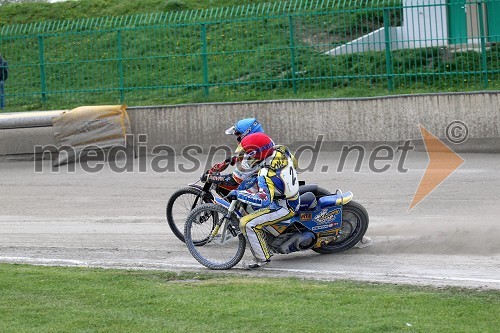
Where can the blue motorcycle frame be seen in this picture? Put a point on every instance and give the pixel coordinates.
(325, 220)
(327, 224)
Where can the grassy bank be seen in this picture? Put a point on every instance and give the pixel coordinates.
(219, 58)
(38, 12)
(52, 299)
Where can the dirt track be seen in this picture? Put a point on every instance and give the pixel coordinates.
(118, 220)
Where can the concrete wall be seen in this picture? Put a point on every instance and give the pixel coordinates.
(369, 120)
(21, 131)
(374, 41)
(393, 119)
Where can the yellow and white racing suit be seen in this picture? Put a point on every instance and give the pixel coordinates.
(276, 199)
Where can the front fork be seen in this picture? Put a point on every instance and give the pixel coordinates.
(226, 223)
(199, 197)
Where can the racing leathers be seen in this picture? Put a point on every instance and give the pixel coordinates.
(241, 129)
(274, 196)
(232, 180)
(241, 172)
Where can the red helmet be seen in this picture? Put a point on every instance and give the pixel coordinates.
(257, 146)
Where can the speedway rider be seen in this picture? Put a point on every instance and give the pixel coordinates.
(241, 129)
(273, 193)
(243, 171)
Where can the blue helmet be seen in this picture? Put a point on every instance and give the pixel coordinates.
(245, 127)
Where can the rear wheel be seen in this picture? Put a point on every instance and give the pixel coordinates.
(316, 190)
(180, 204)
(321, 192)
(354, 224)
(216, 243)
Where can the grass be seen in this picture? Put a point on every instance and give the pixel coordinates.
(39, 12)
(241, 59)
(55, 299)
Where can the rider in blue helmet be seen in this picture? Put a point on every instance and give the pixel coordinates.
(241, 129)
(245, 127)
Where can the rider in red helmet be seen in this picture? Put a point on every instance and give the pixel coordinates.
(274, 193)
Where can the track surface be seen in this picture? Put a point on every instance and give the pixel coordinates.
(118, 220)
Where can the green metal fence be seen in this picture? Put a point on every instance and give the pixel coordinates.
(290, 48)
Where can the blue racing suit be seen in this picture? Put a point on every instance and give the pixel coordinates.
(274, 195)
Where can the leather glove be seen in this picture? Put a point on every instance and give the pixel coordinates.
(232, 160)
(224, 164)
(215, 178)
(204, 177)
(219, 167)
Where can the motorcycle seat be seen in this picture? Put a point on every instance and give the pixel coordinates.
(308, 188)
(335, 199)
(307, 201)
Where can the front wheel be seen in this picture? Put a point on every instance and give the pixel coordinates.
(216, 243)
(354, 224)
(180, 205)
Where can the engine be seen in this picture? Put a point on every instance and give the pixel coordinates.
(297, 242)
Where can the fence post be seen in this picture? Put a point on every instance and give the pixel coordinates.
(42, 67)
(204, 58)
(120, 65)
(292, 50)
(388, 56)
(482, 37)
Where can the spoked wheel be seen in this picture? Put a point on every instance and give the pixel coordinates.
(321, 192)
(217, 243)
(180, 205)
(354, 225)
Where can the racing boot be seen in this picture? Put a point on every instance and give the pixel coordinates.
(364, 242)
(255, 263)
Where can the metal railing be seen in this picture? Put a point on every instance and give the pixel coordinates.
(297, 48)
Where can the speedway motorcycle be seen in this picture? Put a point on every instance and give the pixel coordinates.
(184, 200)
(328, 224)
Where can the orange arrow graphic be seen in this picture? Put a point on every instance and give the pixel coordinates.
(442, 162)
